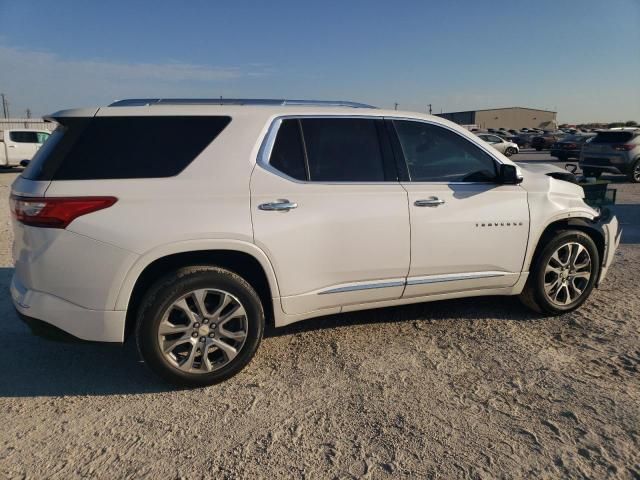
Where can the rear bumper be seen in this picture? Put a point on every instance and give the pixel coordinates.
(42, 310)
(613, 164)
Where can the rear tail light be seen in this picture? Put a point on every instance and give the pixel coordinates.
(623, 147)
(55, 212)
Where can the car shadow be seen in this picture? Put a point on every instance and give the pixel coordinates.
(33, 366)
(629, 218)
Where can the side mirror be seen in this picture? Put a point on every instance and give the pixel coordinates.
(509, 175)
(24, 163)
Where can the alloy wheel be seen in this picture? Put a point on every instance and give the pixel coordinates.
(567, 274)
(203, 330)
(636, 172)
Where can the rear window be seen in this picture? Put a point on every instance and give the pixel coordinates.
(24, 137)
(123, 147)
(612, 137)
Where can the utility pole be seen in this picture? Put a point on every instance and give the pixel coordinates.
(395, 106)
(429, 109)
(5, 106)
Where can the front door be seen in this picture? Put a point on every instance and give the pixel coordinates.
(329, 212)
(467, 231)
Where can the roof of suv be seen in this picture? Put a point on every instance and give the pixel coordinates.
(263, 107)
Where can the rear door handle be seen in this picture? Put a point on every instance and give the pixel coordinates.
(429, 202)
(281, 205)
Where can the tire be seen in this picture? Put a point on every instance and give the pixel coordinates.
(510, 151)
(232, 309)
(634, 172)
(590, 172)
(538, 149)
(538, 293)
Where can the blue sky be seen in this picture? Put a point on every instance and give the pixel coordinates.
(581, 58)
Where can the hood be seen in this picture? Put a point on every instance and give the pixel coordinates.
(544, 177)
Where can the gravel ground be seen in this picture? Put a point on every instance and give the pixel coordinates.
(477, 388)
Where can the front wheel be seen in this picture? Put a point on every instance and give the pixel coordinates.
(510, 151)
(563, 274)
(199, 326)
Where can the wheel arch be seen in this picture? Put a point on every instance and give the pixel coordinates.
(578, 223)
(242, 258)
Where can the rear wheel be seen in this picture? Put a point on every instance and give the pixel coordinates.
(510, 151)
(634, 173)
(199, 326)
(563, 274)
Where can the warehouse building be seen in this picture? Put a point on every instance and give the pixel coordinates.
(510, 117)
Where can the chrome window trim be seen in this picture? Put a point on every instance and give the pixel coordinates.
(266, 148)
(488, 150)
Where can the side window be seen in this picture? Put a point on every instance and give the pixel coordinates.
(287, 154)
(24, 137)
(435, 154)
(343, 150)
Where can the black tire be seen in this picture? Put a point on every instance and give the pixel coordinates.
(538, 149)
(590, 172)
(533, 294)
(634, 172)
(169, 289)
(510, 151)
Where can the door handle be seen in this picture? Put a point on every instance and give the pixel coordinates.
(430, 202)
(281, 205)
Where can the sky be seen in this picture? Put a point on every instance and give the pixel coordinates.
(580, 58)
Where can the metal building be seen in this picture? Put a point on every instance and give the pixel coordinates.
(510, 117)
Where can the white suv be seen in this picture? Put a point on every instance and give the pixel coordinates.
(188, 223)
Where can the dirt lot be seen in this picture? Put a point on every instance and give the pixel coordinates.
(476, 388)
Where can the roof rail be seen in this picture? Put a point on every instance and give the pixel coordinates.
(141, 102)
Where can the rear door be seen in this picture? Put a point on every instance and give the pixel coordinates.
(468, 232)
(329, 212)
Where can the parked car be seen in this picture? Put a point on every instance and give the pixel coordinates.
(189, 224)
(21, 144)
(570, 146)
(543, 142)
(615, 151)
(503, 146)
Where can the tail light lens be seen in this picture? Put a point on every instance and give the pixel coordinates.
(55, 212)
(623, 147)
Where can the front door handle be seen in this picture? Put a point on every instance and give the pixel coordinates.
(281, 205)
(429, 202)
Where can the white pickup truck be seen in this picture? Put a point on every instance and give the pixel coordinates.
(20, 144)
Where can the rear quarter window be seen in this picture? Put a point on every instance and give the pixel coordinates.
(123, 147)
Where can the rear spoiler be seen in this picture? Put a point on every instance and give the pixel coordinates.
(73, 113)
